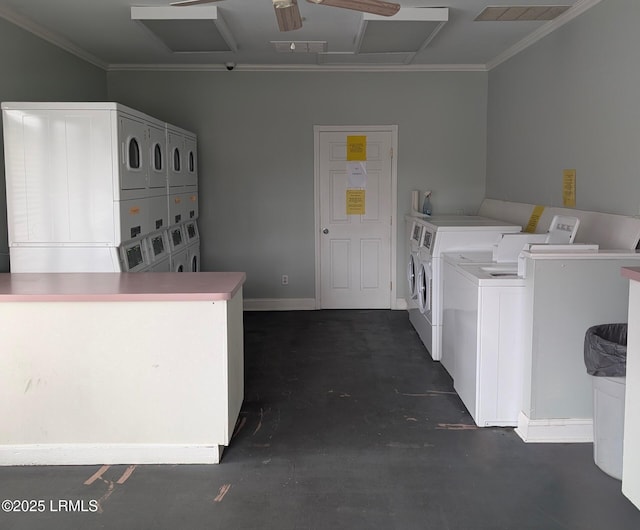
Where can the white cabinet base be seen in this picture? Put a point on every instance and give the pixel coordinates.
(111, 454)
(135, 382)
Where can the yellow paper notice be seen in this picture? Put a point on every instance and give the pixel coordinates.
(533, 220)
(569, 188)
(355, 202)
(356, 148)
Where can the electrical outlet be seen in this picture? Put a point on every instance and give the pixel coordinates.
(285, 279)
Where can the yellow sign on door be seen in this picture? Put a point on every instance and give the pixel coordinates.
(356, 202)
(356, 148)
(569, 188)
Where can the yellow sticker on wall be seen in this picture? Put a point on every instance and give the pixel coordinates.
(533, 220)
(356, 202)
(356, 148)
(569, 188)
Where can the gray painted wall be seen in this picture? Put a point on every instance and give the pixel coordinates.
(570, 102)
(34, 70)
(255, 141)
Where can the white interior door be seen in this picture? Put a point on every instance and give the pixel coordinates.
(354, 262)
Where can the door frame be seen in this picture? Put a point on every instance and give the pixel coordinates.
(393, 129)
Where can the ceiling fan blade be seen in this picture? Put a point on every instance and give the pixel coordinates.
(287, 14)
(182, 3)
(375, 7)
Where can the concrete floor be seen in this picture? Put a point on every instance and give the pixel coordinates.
(346, 424)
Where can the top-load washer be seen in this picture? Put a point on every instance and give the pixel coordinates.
(442, 234)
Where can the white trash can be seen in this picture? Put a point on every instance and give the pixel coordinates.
(608, 423)
(605, 356)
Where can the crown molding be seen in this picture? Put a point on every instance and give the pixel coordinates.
(577, 9)
(298, 68)
(53, 38)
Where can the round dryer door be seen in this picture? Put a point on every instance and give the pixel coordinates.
(425, 281)
(411, 276)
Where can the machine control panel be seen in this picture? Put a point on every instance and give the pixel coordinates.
(134, 256)
(157, 243)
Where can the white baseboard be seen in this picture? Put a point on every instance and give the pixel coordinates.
(401, 304)
(295, 304)
(112, 454)
(565, 430)
(279, 304)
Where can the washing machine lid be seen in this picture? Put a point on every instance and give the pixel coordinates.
(468, 222)
(494, 274)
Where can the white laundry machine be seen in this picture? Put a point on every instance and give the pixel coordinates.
(501, 265)
(193, 245)
(447, 234)
(414, 236)
(482, 339)
(179, 261)
(178, 245)
(193, 257)
(163, 265)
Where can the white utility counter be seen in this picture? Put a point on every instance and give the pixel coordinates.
(119, 368)
(631, 450)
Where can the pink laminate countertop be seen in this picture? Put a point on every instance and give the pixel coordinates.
(633, 273)
(120, 287)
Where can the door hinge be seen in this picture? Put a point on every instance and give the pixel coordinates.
(391, 152)
(391, 286)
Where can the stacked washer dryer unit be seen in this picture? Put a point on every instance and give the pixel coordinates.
(447, 234)
(183, 198)
(89, 187)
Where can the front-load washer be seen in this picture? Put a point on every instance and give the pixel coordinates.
(179, 261)
(163, 265)
(447, 234)
(414, 230)
(193, 245)
(193, 257)
(178, 246)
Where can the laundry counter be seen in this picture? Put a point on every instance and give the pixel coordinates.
(119, 368)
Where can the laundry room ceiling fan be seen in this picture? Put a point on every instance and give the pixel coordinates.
(288, 13)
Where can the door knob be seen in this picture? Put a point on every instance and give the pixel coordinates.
(325, 231)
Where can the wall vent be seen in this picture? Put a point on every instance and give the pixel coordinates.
(520, 13)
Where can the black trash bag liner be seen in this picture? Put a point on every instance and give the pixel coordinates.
(605, 350)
